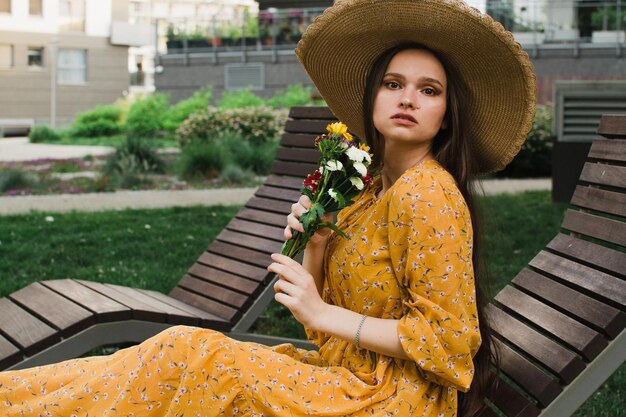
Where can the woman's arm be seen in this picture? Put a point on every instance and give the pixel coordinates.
(297, 290)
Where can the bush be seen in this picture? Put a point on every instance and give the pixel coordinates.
(535, 156)
(203, 159)
(257, 125)
(103, 120)
(239, 98)
(295, 95)
(40, 134)
(257, 158)
(179, 112)
(134, 156)
(146, 116)
(234, 174)
(14, 179)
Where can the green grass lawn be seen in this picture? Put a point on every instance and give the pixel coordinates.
(154, 248)
(114, 141)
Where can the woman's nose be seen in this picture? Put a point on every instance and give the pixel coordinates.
(408, 100)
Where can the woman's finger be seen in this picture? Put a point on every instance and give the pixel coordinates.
(285, 287)
(294, 223)
(305, 201)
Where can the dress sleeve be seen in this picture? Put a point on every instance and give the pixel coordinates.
(430, 235)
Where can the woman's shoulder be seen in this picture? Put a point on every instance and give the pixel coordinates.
(427, 177)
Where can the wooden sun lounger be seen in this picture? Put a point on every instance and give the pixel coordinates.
(559, 324)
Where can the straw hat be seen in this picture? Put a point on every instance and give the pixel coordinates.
(340, 46)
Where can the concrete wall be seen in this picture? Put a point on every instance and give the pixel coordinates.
(25, 92)
(181, 77)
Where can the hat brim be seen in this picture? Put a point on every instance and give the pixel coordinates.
(339, 47)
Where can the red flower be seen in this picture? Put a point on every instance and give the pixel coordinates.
(312, 180)
(367, 180)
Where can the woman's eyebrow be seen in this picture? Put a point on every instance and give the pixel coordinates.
(423, 79)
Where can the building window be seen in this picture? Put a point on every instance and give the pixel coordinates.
(6, 56)
(238, 76)
(5, 6)
(35, 57)
(35, 7)
(72, 15)
(72, 66)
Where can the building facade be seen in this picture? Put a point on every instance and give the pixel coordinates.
(60, 57)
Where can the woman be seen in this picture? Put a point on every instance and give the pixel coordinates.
(393, 309)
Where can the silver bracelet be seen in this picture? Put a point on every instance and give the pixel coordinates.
(357, 337)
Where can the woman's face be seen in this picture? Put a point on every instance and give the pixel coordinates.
(410, 104)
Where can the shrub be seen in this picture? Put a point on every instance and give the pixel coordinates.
(40, 134)
(15, 179)
(239, 98)
(234, 174)
(179, 112)
(145, 116)
(257, 125)
(203, 159)
(103, 120)
(134, 156)
(257, 158)
(295, 95)
(534, 158)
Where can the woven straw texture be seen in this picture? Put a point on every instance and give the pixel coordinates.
(341, 44)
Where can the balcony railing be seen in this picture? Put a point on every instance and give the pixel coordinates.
(535, 23)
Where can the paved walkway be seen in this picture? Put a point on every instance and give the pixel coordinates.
(18, 149)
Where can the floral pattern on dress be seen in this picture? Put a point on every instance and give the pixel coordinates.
(408, 258)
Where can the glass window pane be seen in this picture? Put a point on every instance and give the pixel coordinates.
(35, 57)
(72, 66)
(6, 56)
(5, 6)
(35, 8)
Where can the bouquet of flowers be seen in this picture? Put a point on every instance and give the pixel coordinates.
(341, 175)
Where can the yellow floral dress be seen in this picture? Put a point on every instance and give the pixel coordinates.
(409, 258)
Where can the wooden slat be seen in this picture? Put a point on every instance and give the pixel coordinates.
(299, 140)
(9, 353)
(311, 112)
(599, 227)
(581, 338)
(604, 174)
(281, 181)
(567, 365)
(612, 125)
(280, 194)
(593, 313)
(61, 313)
(233, 299)
(205, 304)
(234, 266)
(601, 200)
(599, 256)
(311, 156)
(259, 216)
(512, 403)
(224, 279)
(140, 310)
(206, 319)
(28, 332)
(256, 229)
(104, 308)
(317, 127)
(236, 252)
(280, 207)
(610, 288)
(251, 242)
(608, 149)
(534, 381)
(295, 169)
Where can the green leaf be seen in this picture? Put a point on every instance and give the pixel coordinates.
(335, 228)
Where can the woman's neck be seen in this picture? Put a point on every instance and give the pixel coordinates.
(396, 163)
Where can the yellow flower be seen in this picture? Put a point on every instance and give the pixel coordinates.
(339, 128)
(364, 147)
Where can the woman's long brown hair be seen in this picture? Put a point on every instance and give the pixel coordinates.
(454, 153)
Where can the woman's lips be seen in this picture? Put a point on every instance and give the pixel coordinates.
(404, 122)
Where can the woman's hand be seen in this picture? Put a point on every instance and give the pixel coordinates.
(293, 221)
(296, 290)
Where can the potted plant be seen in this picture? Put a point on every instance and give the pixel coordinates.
(197, 39)
(604, 25)
(173, 40)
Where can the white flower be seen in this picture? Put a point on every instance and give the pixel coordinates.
(334, 165)
(355, 154)
(321, 170)
(361, 169)
(332, 193)
(357, 182)
(49, 219)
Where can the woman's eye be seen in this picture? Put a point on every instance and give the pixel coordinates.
(430, 91)
(392, 84)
